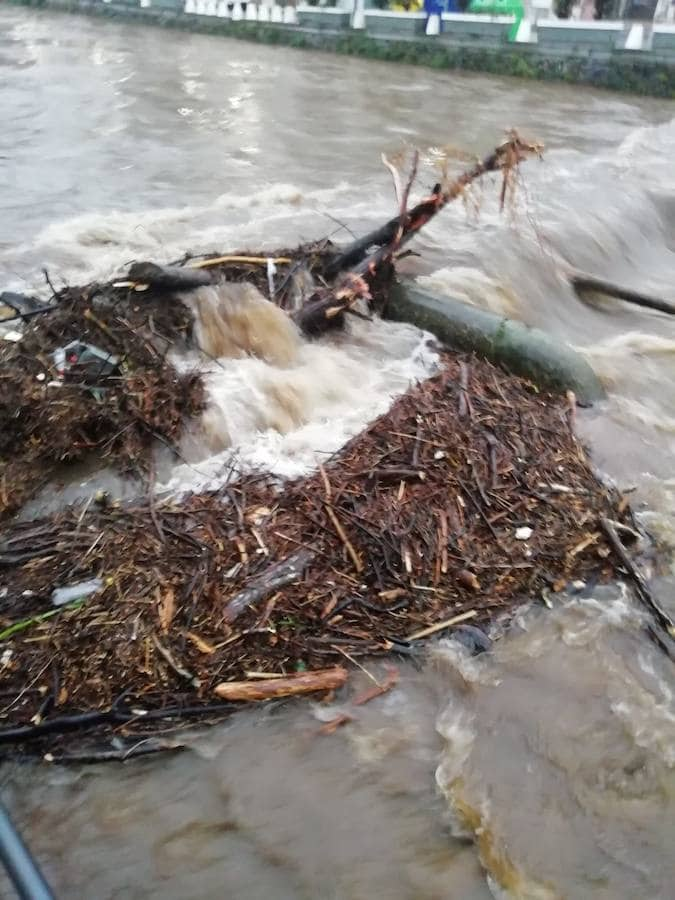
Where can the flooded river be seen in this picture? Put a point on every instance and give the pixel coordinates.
(544, 769)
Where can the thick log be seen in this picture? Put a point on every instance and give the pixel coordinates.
(302, 683)
(171, 278)
(528, 352)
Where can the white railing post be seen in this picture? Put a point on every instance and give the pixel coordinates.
(290, 15)
(433, 24)
(359, 15)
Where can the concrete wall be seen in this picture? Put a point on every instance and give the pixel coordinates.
(324, 18)
(382, 23)
(474, 30)
(572, 37)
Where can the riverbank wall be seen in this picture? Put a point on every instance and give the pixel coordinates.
(570, 52)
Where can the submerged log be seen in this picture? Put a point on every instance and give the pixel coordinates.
(583, 283)
(525, 351)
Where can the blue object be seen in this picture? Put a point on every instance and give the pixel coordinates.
(20, 865)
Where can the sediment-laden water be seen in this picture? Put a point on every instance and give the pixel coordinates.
(543, 769)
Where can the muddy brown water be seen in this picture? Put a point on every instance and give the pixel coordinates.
(543, 769)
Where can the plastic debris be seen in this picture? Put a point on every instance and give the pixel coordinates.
(63, 595)
(524, 533)
(87, 358)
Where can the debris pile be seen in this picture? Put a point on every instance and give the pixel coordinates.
(123, 622)
(94, 374)
(470, 496)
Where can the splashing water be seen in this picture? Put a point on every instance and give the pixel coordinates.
(279, 402)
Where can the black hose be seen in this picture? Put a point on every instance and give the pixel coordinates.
(20, 865)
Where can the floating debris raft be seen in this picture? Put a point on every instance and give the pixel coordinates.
(469, 497)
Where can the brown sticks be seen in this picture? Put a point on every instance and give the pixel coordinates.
(643, 592)
(303, 683)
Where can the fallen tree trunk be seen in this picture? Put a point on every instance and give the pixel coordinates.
(270, 688)
(322, 312)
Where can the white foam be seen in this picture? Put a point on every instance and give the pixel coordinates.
(285, 420)
(97, 246)
(474, 287)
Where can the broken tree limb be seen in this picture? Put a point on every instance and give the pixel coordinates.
(181, 671)
(355, 256)
(583, 283)
(276, 576)
(302, 683)
(642, 589)
(505, 158)
(441, 626)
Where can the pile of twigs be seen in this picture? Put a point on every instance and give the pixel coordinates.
(470, 496)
